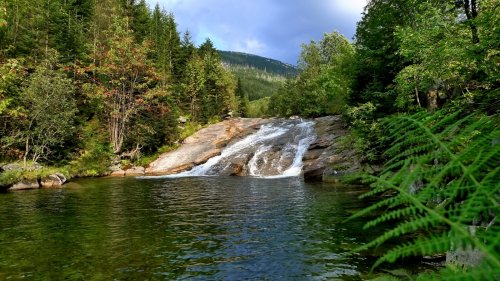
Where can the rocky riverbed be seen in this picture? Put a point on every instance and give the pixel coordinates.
(324, 160)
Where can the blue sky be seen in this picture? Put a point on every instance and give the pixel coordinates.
(269, 28)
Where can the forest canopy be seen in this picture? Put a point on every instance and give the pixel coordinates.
(116, 66)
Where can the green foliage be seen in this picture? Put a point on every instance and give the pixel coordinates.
(366, 136)
(93, 158)
(259, 108)
(34, 27)
(255, 83)
(12, 75)
(442, 180)
(443, 57)
(324, 84)
(378, 60)
(48, 115)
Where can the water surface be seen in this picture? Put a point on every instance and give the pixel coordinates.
(208, 228)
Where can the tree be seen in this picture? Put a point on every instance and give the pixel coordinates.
(141, 20)
(49, 112)
(169, 48)
(471, 9)
(194, 81)
(244, 101)
(378, 60)
(445, 63)
(186, 52)
(156, 32)
(125, 76)
(324, 84)
(218, 89)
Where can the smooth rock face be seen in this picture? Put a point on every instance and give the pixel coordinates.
(325, 160)
(203, 145)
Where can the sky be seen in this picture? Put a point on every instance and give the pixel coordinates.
(268, 28)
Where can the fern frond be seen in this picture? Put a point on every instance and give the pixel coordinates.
(443, 173)
(418, 247)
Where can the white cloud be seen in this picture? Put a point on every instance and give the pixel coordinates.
(351, 7)
(270, 28)
(250, 45)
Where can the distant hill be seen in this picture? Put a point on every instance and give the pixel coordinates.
(265, 64)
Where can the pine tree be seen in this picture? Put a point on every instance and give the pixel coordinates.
(169, 48)
(156, 33)
(186, 52)
(141, 21)
(244, 101)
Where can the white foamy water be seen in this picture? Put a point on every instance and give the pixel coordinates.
(275, 150)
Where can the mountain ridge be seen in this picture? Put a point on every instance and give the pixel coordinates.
(262, 63)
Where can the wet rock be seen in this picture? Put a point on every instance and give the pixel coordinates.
(312, 154)
(326, 159)
(23, 185)
(203, 145)
(235, 169)
(205, 156)
(135, 171)
(54, 180)
(118, 173)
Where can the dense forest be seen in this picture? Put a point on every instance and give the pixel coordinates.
(252, 61)
(83, 82)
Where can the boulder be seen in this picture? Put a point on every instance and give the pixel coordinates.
(23, 185)
(117, 173)
(312, 154)
(135, 171)
(54, 180)
(12, 167)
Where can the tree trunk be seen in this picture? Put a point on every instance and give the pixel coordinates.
(470, 7)
(26, 151)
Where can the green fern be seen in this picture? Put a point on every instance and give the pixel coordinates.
(442, 176)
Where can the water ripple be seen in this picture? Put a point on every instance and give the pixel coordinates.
(182, 229)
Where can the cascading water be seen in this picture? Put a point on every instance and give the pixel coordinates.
(276, 150)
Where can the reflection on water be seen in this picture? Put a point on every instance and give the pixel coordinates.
(185, 228)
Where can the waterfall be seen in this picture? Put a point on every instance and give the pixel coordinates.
(275, 150)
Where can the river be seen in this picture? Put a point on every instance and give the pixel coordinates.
(193, 228)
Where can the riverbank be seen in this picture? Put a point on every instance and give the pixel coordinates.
(325, 159)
